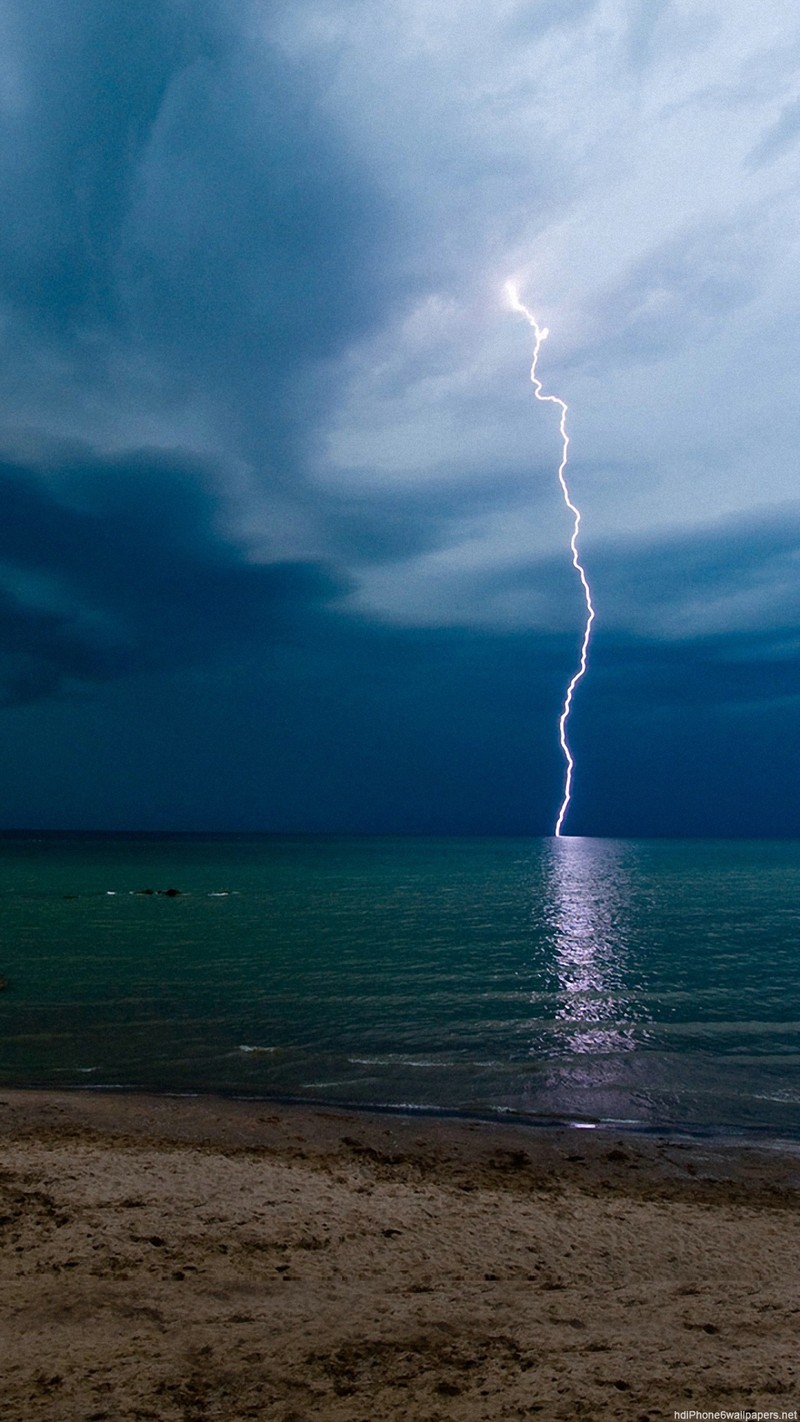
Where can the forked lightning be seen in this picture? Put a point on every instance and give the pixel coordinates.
(540, 334)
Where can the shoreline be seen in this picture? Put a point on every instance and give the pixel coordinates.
(575, 1154)
(208, 1259)
(745, 1137)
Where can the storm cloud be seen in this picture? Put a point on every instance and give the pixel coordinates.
(276, 496)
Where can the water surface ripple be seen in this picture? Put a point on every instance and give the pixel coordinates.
(651, 982)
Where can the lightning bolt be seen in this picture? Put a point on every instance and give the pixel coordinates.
(540, 334)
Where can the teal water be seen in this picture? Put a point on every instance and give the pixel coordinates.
(650, 982)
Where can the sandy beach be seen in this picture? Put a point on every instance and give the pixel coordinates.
(197, 1259)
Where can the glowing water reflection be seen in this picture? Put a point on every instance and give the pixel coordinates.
(595, 1018)
(586, 914)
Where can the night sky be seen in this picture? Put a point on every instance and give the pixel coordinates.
(282, 546)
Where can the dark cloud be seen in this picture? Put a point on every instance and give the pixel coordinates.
(689, 739)
(739, 575)
(185, 686)
(42, 652)
(122, 568)
(749, 561)
(207, 206)
(387, 525)
(184, 223)
(93, 78)
(727, 670)
(370, 729)
(250, 238)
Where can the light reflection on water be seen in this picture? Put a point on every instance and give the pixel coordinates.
(572, 977)
(586, 914)
(599, 1019)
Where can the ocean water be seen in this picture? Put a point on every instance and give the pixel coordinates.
(650, 982)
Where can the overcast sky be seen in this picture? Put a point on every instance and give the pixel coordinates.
(282, 545)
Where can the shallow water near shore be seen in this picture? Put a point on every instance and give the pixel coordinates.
(650, 983)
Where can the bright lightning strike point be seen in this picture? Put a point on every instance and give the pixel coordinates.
(540, 334)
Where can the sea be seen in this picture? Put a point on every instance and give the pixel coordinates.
(644, 984)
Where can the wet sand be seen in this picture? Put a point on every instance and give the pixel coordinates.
(199, 1259)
